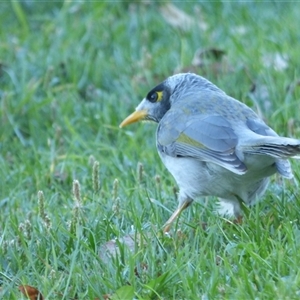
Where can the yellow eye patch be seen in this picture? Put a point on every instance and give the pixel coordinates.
(159, 96)
(155, 96)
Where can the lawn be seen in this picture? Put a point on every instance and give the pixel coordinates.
(74, 185)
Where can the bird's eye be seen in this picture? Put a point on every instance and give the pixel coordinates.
(153, 97)
(156, 96)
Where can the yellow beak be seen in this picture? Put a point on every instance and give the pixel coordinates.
(134, 117)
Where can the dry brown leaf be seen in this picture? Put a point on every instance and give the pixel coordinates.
(31, 292)
(180, 19)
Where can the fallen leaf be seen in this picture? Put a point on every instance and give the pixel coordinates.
(31, 292)
(111, 248)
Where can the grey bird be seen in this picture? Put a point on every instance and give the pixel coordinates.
(213, 144)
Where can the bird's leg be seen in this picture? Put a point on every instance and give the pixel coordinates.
(238, 220)
(239, 208)
(182, 206)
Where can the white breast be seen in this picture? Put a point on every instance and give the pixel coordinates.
(198, 178)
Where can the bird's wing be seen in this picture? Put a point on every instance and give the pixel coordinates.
(259, 127)
(207, 138)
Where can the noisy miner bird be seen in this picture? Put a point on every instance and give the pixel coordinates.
(212, 144)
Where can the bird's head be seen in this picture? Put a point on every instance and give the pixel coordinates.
(161, 98)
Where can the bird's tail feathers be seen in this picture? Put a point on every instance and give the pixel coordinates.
(278, 147)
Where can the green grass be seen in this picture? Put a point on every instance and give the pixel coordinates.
(70, 73)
